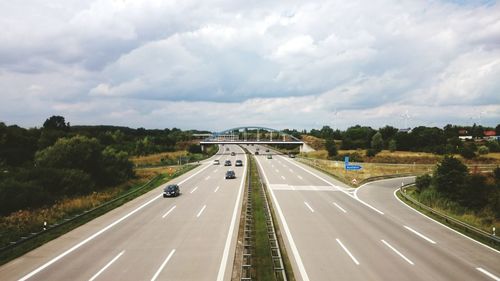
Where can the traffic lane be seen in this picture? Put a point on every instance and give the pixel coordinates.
(141, 227)
(316, 233)
(289, 175)
(430, 261)
(381, 194)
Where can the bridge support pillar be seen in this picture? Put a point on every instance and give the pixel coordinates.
(202, 147)
(301, 148)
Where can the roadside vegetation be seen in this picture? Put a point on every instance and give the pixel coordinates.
(473, 198)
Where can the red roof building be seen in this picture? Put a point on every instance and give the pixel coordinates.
(489, 133)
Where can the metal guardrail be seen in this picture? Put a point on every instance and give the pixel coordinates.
(49, 228)
(466, 227)
(246, 265)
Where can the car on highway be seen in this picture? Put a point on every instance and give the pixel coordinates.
(216, 162)
(267, 150)
(227, 163)
(238, 163)
(291, 155)
(171, 190)
(233, 153)
(256, 153)
(269, 156)
(227, 148)
(230, 174)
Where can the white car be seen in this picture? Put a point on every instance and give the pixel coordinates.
(216, 162)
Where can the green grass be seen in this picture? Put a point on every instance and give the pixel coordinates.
(263, 263)
(68, 225)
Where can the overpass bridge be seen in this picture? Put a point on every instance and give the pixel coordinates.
(254, 135)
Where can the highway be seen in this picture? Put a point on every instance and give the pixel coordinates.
(190, 237)
(330, 234)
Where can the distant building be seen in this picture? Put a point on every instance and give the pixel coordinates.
(404, 130)
(462, 132)
(464, 138)
(491, 135)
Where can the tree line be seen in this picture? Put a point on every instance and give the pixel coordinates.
(420, 139)
(39, 166)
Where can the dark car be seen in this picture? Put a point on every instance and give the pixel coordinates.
(269, 156)
(233, 153)
(238, 163)
(227, 163)
(230, 174)
(171, 191)
(267, 150)
(256, 153)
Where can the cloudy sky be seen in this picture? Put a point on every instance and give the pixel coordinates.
(226, 63)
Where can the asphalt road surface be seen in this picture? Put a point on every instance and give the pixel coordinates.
(334, 233)
(190, 237)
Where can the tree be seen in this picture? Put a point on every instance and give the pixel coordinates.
(331, 147)
(79, 152)
(450, 177)
(377, 142)
(392, 145)
(56, 123)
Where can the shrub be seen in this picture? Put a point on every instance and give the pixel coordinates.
(372, 152)
(467, 152)
(331, 148)
(423, 182)
(483, 150)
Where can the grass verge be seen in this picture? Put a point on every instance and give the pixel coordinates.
(447, 222)
(369, 171)
(32, 241)
(262, 261)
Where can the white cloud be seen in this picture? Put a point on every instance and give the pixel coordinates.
(284, 64)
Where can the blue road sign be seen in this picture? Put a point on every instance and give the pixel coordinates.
(353, 167)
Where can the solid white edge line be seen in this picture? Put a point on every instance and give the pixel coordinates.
(163, 265)
(194, 189)
(475, 241)
(489, 274)
(47, 264)
(201, 211)
(308, 206)
(225, 254)
(106, 266)
(420, 234)
(397, 252)
(337, 205)
(169, 211)
(217, 188)
(295, 251)
(347, 251)
(338, 188)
